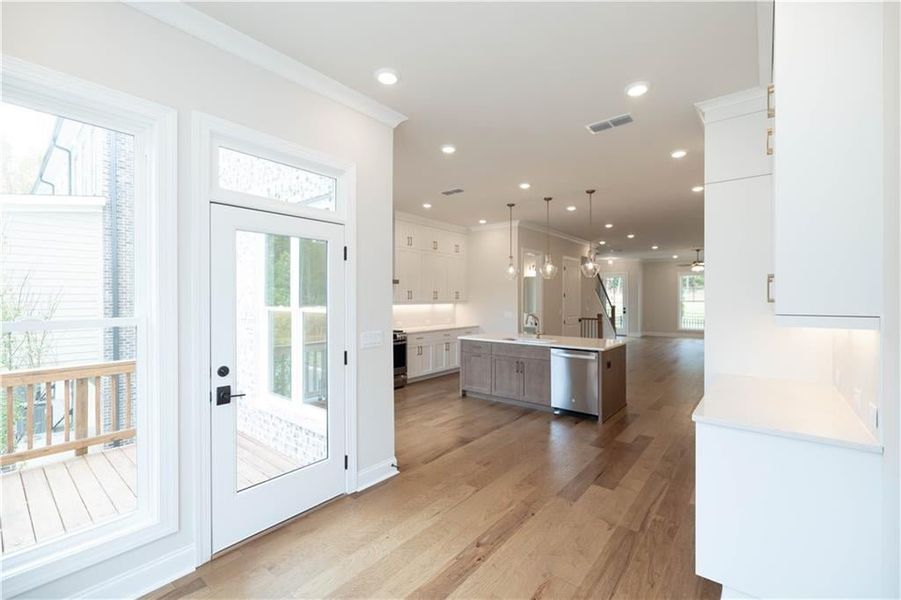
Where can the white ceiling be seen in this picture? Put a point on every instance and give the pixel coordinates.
(512, 87)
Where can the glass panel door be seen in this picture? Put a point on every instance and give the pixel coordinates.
(281, 326)
(277, 336)
(616, 290)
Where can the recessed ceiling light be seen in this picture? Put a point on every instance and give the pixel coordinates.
(525, 185)
(630, 236)
(678, 153)
(609, 261)
(602, 243)
(387, 76)
(427, 205)
(609, 225)
(654, 247)
(639, 88)
(482, 221)
(571, 208)
(448, 149)
(698, 188)
(675, 256)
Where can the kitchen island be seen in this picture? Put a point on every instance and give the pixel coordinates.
(585, 375)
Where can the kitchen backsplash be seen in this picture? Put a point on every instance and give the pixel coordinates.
(856, 372)
(421, 315)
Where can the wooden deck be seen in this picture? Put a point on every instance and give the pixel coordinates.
(43, 502)
(39, 503)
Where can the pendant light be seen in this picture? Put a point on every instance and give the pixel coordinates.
(589, 264)
(510, 271)
(548, 269)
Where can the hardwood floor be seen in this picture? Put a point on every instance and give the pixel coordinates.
(495, 501)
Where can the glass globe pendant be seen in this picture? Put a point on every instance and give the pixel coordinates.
(548, 268)
(589, 264)
(510, 271)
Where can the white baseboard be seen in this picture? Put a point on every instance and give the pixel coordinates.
(672, 334)
(733, 594)
(377, 473)
(146, 577)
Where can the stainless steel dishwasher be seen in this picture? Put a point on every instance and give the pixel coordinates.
(574, 380)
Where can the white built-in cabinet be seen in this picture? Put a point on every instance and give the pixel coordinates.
(826, 141)
(429, 264)
(434, 352)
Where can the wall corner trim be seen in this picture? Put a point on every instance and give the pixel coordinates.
(204, 27)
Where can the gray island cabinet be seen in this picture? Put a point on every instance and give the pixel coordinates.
(518, 370)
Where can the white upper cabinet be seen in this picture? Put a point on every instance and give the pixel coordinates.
(828, 160)
(429, 263)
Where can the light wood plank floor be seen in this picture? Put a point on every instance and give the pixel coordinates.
(495, 501)
(42, 502)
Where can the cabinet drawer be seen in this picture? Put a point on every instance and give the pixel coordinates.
(476, 347)
(520, 351)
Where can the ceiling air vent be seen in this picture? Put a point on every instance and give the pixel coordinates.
(452, 191)
(609, 123)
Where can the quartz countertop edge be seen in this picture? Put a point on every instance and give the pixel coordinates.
(431, 328)
(804, 411)
(552, 341)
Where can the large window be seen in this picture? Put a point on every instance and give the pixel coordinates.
(87, 394)
(691, 301)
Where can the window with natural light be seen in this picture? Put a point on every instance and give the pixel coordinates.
(69, 333)
(257, 176)
(691, 302)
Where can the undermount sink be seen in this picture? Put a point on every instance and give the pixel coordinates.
(530, 340)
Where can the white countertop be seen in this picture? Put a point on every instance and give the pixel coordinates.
(805, 411)
(551, 341)
(430, 328)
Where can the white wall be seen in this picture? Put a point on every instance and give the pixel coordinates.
(491, 298)
(114, 45)
(660, 298)
(532, 238)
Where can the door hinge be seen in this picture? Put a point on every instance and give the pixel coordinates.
(345, 252)
(345, 357)
(345, 462)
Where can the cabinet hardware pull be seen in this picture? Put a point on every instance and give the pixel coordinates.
(770, 105)
(769, 136)
(770, 280)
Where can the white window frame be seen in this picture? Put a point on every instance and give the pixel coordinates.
(207, 133)
(282, 152)
(154, 129)
(679, 327)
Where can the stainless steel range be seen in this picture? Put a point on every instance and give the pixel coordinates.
(400, 358)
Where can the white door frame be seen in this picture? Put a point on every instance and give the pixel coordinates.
(198, 368)
(577, 262)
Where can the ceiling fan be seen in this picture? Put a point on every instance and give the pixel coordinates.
(697, 265)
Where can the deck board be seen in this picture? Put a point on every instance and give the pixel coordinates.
(45, 519)
(44, 501)
(14, 515)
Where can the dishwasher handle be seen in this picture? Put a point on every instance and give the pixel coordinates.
(581, 355)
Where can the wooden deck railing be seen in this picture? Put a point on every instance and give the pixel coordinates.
(78, 385)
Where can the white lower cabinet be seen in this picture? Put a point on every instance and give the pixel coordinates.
(434, 352)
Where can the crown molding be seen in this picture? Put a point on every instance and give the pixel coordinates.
(557, 234)
(204, 27)
(732, 105)
(410, 218)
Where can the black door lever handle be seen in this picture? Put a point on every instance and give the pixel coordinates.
(224, 395)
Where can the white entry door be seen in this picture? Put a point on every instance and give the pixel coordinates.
(277, 357)
(617, 289)
(572, 296)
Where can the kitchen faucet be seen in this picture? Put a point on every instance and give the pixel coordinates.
(534, 318)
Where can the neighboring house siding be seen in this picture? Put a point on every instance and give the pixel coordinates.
(52, 252)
